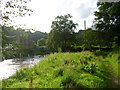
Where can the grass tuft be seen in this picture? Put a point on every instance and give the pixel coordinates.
(69, 70)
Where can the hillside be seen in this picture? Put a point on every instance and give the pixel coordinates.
(69, 70)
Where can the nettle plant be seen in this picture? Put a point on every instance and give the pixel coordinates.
(88, 63)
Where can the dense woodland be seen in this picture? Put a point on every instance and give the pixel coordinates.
(82, 59)
(20, 42)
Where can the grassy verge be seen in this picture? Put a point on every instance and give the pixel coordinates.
(69, 70)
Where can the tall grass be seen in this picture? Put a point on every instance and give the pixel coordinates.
(69, 70)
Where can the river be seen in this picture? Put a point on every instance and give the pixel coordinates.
(10, 66)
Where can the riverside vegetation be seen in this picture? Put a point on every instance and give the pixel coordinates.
(83, 59)
(70, 70)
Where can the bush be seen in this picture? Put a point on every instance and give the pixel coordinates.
(100, 53)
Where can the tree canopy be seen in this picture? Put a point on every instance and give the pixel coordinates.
(41, 42)
(108, 16)
(108, 19)
(11, 9)
(16, 41)
(62, 34)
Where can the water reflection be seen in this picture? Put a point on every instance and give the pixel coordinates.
(8, 67)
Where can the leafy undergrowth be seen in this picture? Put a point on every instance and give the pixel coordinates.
(68, 70)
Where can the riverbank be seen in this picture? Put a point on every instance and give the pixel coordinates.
(69, 70)
(9, 66)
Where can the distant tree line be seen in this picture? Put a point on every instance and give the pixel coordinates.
(63, 37)
(105, 36)
(20, 42)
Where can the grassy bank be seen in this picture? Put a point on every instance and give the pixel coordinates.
(69, 70)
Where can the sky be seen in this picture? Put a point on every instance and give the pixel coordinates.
(45, 11)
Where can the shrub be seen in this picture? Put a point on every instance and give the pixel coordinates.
(100, 53)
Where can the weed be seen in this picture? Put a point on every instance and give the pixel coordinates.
(69, 70)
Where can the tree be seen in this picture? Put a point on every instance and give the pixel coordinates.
(18, 42)
(11, 9)
(108, 16)
(41, 42)
(62, 34)
(108, 19)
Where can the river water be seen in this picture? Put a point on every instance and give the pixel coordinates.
(10, 66)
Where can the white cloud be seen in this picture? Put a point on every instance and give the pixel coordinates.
(46, 10)
(86, 8)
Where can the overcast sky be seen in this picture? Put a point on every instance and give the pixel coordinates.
(46, 10)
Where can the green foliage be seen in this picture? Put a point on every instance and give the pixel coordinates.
(108, 15)
(41, 42)
(62, 33)
(59, 50)
(19, 41)
(68, 70)
(100, 53)
(108, 19)
(12, 9)
(88, 39)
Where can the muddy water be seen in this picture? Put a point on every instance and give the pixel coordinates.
(10, 66)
